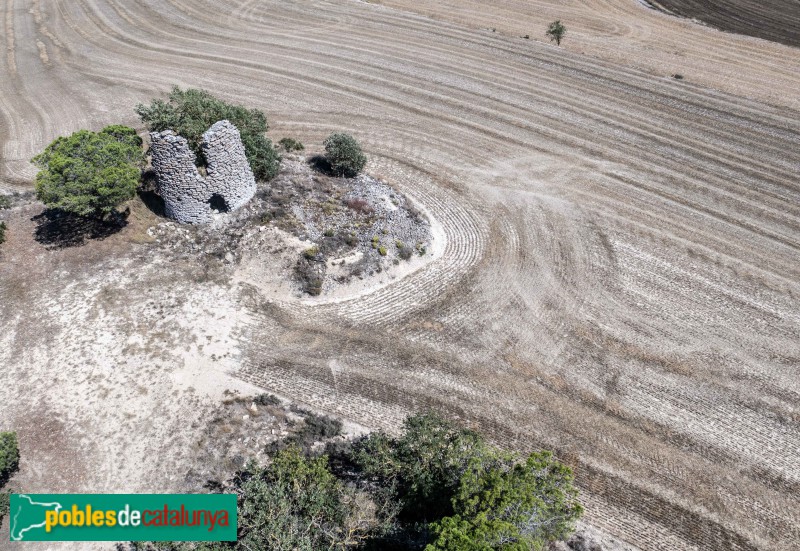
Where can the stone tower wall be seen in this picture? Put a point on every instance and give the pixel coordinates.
(188, 196)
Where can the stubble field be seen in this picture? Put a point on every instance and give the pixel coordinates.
(619, 277)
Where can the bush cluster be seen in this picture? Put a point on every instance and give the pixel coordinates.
(314, 428)
(436, 487)
(310, 271)
(459, 493)
(3, 229)
(290, 144)
(189, 113)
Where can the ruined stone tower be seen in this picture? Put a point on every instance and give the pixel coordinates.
(190, 197)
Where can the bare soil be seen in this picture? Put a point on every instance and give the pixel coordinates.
(777, 20)
(618, 278)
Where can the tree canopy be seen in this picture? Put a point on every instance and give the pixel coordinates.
(423, 466)
(295, 503)
(556, 32)
(90, 173)
(9, 456)
(189, 113)
(344, 154)
(436, 487)
(503, 503)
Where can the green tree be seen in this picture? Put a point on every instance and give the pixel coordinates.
(556, 32)
(9, 456)
(423, 467)
(90, 173)
(503, 504)
(189, 113)
(9, 464)
(344, 154)
(294, 503)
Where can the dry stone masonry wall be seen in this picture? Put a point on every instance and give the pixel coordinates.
(190, 197)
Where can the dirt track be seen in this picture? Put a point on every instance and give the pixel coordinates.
(620, 278)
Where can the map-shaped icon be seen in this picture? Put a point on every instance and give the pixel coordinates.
(27, 514)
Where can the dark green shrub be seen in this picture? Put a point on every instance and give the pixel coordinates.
(3, 229)
(90, 173)
(267, 400)
(310, 272)
(321, 426)
(5, 202)
(191, 112)
(9, 456)
(290, 144)
(344, 155)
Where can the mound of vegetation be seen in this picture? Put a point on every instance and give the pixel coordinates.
(90, 173)
(437, 487)
(189, 113)
(357, 226)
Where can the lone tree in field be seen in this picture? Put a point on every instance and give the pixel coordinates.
(189, 113)
(90, 173)
(556, 32)
(344, 155)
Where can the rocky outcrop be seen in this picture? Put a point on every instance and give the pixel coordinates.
(190, 197)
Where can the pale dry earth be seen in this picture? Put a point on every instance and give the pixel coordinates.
(619, 279)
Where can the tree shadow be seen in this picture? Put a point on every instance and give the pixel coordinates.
(147, 193)
(57, 229)
(321, 164)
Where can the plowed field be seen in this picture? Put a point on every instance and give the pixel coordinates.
(620, 274)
